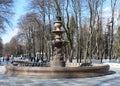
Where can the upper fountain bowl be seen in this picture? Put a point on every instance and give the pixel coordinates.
(58, 23)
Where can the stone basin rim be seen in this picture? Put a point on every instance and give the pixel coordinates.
(58, 68)
(58, 72)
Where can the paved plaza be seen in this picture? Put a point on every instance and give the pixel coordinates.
(108, 80)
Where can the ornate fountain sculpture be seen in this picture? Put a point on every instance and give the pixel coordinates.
(58, 43)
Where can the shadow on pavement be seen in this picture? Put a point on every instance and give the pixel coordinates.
(111, 72)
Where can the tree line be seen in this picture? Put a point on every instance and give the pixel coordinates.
(88, 36)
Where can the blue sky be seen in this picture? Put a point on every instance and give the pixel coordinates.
(19, 10)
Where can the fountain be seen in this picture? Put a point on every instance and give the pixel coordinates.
(58, 43)
(58, 68)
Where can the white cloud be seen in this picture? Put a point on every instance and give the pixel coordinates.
(107, 15)
(107, 12)
(15, 31)
(107, 9)
(9, 34)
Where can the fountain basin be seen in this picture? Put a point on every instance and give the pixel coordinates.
(58, 72)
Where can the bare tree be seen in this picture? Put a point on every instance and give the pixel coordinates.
(93, 7)
(117, 45)
(29, 26)
(5, 13)
(113, 5)
(1, 47)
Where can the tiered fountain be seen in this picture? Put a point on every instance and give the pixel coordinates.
(58, 43)
(58, 68)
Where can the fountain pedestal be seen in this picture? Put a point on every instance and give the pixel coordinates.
(58, 43)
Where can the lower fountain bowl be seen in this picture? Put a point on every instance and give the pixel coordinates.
(58, 72)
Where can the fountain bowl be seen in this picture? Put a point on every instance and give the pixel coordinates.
(57, 23)
(58, 72)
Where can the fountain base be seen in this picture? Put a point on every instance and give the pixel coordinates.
(58, 72)
(57, 64)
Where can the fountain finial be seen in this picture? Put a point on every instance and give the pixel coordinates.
(58, 17)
